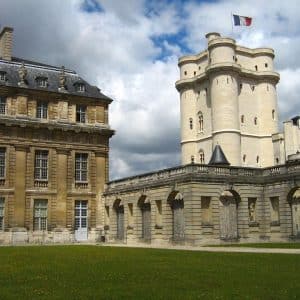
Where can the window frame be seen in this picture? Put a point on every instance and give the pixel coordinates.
(3, 102)
(2, 162)
(40, 218)
(81, 167)
(81, 113)
(41, 110)
(41, 165)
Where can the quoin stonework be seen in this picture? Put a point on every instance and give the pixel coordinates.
(239, 180)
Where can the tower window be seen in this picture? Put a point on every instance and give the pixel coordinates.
(242, 118)
(252, 87)
(277, 160)
(255, 121)
(273, 114)
(266, 65)
(194, 72)
(192, 159)
(200, 119)
(199, 68)
(241, 86)
(244, 158)
(191, 123)
(257, 159)
(256, 68)
(185, 72)
(201, 156)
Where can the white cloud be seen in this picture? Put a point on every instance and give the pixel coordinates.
(115, 49)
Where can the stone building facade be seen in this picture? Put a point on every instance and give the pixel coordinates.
(240, 178)
(54, 141)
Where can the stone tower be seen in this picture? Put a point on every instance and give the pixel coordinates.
(228, 98)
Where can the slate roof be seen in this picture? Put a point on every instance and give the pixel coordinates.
(218, 157)
(36, 69)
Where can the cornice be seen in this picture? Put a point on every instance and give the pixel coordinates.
(228, 67)
(51, 125)
(192, 58)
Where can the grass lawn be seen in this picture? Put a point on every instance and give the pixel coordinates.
(262, 245)
(95, 272)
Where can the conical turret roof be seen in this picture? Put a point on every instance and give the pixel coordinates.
(218, 157)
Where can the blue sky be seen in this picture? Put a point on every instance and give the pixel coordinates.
(130, 50)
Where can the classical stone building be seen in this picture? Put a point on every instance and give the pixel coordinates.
(54, 140)
(240, 177)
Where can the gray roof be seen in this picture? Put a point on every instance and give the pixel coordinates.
(218, 157)
(52, 73)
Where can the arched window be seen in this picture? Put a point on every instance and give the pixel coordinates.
(255, 68)
(277, 160)
(244, 158)
(200, 120)
(255, 121)
(257, 159)
(242, 118)
(273, 114)
(192, 159)
(201, 156)
(191, 123)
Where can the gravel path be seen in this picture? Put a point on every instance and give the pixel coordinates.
(208, 249)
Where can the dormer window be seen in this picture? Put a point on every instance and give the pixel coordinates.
(79, 87)
(3, 76)
(42, 82)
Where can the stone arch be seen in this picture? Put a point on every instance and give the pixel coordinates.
(294, 201)
(118, 207)
(176, 203)
(145, 214)
(228, 214)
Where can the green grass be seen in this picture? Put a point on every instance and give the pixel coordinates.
(262, 245)
(95, 272)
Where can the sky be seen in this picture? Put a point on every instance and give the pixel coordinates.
(130, 50)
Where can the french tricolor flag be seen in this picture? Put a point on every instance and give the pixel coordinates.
(241, 21)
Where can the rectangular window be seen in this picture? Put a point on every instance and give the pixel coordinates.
(40, 214)
(81, 164)
(41, 165)
(206, 210)
(80, 113)
(274, 205)
(41, 110)
(2, 105)
(81, 209)
(2, 213)
(2, 163)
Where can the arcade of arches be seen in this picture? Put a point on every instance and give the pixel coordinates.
(202, 211)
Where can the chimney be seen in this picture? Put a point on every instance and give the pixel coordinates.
(6, 37)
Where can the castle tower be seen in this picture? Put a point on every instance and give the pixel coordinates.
(228, 98)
